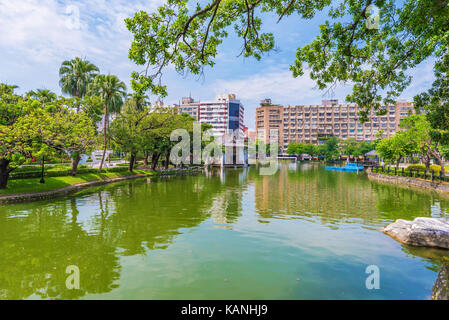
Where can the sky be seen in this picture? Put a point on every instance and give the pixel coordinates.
(37, 35)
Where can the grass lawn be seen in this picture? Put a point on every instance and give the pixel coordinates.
(20, 186)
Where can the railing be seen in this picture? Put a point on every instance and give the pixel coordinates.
(412, 173)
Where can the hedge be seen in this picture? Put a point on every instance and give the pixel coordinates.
(433, 167)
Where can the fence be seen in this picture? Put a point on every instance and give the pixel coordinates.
(411, 173)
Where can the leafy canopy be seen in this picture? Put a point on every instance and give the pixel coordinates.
(347, 49)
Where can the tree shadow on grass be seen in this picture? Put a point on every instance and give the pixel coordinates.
(22, 186)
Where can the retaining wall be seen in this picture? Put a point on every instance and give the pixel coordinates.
(438, 186)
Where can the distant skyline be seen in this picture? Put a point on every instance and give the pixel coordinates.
(40, 34)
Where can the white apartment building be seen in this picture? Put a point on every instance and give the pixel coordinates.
(225, 113)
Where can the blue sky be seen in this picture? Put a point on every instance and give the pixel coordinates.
(37, 35)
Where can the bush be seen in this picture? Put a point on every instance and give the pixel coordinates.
(433, 167)
(416, 167)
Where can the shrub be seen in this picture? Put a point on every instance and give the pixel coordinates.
(433, 167)
(416, 167)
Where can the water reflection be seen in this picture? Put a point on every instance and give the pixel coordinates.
(221, 219)
(337, 197)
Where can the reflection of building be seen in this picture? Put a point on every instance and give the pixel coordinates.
(312, 192)
(224, 114)
(227, 204)
(315, 123)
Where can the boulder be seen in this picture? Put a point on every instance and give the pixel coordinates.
(427, 232)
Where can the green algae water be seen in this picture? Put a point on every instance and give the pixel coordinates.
(303, 233)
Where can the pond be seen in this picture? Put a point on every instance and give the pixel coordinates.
(303, 233)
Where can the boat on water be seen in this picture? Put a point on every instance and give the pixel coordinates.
(349, 167)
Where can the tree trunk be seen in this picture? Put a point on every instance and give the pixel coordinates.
(145, 159)
(154, 160)
(105, 131)
(43, 171)
(4, 173)
(398, 162)
(131, 162)
(167, 160)
(426, 158)
(75, 161)
(437, 155)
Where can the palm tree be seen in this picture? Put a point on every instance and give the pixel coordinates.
(75, 77)
(7, 89)
(137, 101)
(113, 92)
(43, 95)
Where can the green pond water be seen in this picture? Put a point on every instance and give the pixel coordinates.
(304, 233)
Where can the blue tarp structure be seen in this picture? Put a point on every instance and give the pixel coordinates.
(350, 167)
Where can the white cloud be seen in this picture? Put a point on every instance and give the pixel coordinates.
(37, 35)
(422, 79)
(43, 30)
(277, 84)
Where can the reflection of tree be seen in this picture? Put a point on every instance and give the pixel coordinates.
(399, 203)
(436, 257)
(438, 261)
(336, 197)
(36, 247)
(329, 197)
(151, 215)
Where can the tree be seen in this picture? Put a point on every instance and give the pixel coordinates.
(7, 89)
(113, 92)
(292, 148)
(157, 140)
(127, 132)
(310, 149)
(137, 101)
(436, 104)
(419, 132)
(59, 127)
(351, 147)
(42, 95)
(92, 106)
(75, 76)
(15, 146)
(395, 148)
(373, 52)
(330, 148)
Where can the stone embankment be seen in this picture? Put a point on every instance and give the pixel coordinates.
(438, 186)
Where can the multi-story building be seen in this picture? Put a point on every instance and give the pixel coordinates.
(269, 117)
(225, 114)
(160, 107)
(316, 123)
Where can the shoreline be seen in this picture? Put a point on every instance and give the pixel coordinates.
(440, 188)
(50, 194)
